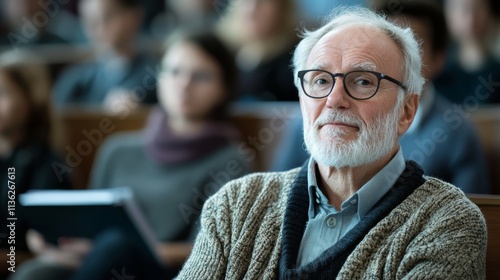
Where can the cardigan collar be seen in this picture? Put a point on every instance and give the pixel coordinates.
(328, 264)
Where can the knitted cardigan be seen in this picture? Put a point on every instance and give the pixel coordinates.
(423, 228)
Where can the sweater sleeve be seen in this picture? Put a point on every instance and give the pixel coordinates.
(452, 246)
(209, 257)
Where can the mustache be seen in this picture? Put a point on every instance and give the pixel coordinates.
(336, 116)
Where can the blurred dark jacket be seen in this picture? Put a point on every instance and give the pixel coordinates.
(89, 83)
(33, 170)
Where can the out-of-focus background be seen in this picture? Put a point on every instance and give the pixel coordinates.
(172, 96)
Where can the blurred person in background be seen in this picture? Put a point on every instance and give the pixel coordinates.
(471, 74)
(26, 22)
(314, 11)
(24, 136)
(263, 35)
(121, 74)
(184, 154)
(445, 145)
(496, 33)
(187, 14)
(446, 148)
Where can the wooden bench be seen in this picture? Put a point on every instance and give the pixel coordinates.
(487, 122)
(490, 207)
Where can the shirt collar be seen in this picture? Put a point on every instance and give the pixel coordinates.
(424, 106)
(368, 195)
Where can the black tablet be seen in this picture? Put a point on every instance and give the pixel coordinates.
(86, 213)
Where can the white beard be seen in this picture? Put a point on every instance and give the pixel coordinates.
(371, 144)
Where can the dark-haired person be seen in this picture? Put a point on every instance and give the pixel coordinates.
(449, 150)
(25, 152)
(121, 73)
(263, 35)
(184, 155)
(26, 24)
(471, 72)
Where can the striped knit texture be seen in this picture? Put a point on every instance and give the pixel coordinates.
(436, 233)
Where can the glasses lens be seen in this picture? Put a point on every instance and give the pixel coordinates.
(361, 84)
(317, 83)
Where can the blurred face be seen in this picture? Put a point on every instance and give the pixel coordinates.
(15, 10)
(261, 18)
(340, 131)
(109, 24)
(13, 106)
(191, 83)
(190, 8)
(467, 19)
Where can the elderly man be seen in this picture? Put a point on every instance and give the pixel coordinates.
(355, 210)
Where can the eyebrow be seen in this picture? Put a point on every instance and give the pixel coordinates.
(319, 66)
(364, 66)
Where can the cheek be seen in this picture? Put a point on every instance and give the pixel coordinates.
(208, 96)
(167, 95)
(311, 109)
(13, 112)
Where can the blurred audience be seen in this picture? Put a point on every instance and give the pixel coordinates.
(183, 156)
(443, 142)
(24, 135)
(263, 35)
(471, 73)
(121, 75)
(26, 24)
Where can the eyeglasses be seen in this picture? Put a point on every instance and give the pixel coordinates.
(200, 76)
(359, 85)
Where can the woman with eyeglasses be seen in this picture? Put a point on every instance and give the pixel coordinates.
(184, 155)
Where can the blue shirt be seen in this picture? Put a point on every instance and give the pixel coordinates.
(326, 225)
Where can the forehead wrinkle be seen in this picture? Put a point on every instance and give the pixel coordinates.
(356, 50)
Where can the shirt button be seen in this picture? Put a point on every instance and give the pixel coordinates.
(353, 201)
(331, 222)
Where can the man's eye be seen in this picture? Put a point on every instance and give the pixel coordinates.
(202, 76)
(364, 82)
(321, 81)
(173, 71)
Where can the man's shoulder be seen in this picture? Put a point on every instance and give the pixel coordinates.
(446, 199)
(266, 187)
(263, 181)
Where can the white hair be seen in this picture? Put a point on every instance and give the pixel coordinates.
(343, 17)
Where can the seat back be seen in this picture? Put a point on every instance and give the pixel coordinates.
(487, 122)
(490, 207)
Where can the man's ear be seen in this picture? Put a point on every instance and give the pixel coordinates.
(407, 113)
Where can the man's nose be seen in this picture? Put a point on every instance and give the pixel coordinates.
(338, 97)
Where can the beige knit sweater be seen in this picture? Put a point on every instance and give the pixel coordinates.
(436, 233)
